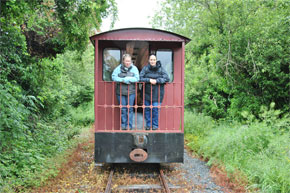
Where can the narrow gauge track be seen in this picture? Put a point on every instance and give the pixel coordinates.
(161, 187)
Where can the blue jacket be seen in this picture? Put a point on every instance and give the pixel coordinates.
(125, 78)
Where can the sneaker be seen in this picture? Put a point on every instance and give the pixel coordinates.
(147, 128)
(155, 128)
(124, 128)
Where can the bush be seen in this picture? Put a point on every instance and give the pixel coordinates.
(83, 115)
(27, 154)
(37, 119)
(238, 58)
(258, 149)
(38, 85)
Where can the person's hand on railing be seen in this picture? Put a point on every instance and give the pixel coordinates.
(153, 81)
(132, 79)
(126, 80)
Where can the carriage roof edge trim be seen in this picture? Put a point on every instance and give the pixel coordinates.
(185, 39)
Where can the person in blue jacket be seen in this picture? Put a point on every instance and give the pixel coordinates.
(154, 76)
(125, 74)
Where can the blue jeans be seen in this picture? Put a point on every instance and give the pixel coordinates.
(124, 110)
(155, 113)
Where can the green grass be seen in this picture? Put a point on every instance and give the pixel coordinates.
(260, 150)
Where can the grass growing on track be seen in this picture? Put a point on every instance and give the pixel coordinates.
(258, 149)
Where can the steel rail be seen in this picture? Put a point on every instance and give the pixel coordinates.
(109, 183)
(164, 183)
(144, 187)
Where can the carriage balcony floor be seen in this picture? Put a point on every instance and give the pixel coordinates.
(140, 121)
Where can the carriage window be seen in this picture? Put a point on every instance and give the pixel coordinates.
(111, 59)
(166, 59)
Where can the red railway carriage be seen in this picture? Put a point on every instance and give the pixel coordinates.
(114, 145)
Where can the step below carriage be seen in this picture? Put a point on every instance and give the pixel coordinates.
(113, 145)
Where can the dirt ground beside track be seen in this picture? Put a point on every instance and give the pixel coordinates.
(80, 174)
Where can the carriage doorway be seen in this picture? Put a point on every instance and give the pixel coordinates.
(139, 50)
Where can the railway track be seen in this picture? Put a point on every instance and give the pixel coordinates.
(162, 186)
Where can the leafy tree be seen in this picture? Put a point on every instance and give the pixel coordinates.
(52, 25)
(43, 43)
(238, 58)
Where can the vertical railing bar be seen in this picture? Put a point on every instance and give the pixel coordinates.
(143, 102)
(113, 106)
(159, 105)
(174, 105)
(166, 109)
(136, 86)
(105, 106)
(128, 107)
(151, 108)
(120, 104)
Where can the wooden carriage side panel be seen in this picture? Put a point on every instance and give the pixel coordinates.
(171, 111)
(178, 89)
(183, 85)
(177, 65)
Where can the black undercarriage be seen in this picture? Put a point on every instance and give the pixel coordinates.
(115, 147)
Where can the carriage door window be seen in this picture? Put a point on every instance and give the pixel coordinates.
(111, 59)
(166, 59)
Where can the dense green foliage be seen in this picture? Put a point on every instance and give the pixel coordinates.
(31, 134)
(239, 56)
(259, 150)
(46, 81)
(236, 65)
